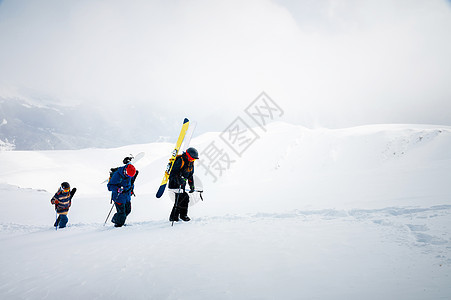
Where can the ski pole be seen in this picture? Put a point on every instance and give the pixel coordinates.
(111, 208)
(56, 221)
(108, 214)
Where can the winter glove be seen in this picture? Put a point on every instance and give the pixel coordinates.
(56, 202)
(72, 193)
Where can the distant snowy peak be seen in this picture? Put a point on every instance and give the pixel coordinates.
(411, 139)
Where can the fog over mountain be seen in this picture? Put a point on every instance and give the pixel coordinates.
(28, 126)
(330, 64)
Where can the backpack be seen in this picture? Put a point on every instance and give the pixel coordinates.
(183, 161)
(112, 171)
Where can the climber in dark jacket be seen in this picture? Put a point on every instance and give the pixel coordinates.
(181, 173)
(121, 187)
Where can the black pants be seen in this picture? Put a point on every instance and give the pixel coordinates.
(180, 208)
(122, 211)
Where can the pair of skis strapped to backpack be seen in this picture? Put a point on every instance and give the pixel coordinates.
(178, 145)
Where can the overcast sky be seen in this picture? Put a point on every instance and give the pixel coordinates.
(330, 63)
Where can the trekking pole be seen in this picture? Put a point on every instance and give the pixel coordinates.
(108, 214)
(56, 221)
(111, 208)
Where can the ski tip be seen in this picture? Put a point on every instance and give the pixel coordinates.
(138, 156)
(160, 191)
(185, 121)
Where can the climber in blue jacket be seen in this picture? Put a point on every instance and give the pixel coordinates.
(121, 186)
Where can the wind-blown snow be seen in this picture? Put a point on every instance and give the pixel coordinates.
(356, 213)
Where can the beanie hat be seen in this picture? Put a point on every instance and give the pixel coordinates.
(130, 170)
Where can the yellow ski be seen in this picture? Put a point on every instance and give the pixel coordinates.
(164, 182)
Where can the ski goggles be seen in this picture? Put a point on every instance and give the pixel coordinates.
(190, 158)
(65, 190)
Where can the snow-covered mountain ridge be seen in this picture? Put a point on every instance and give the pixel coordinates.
(283, 148)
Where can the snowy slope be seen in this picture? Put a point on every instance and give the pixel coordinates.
(356, 213)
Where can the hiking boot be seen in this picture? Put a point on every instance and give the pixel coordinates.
(185, 218)
(173, 219)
